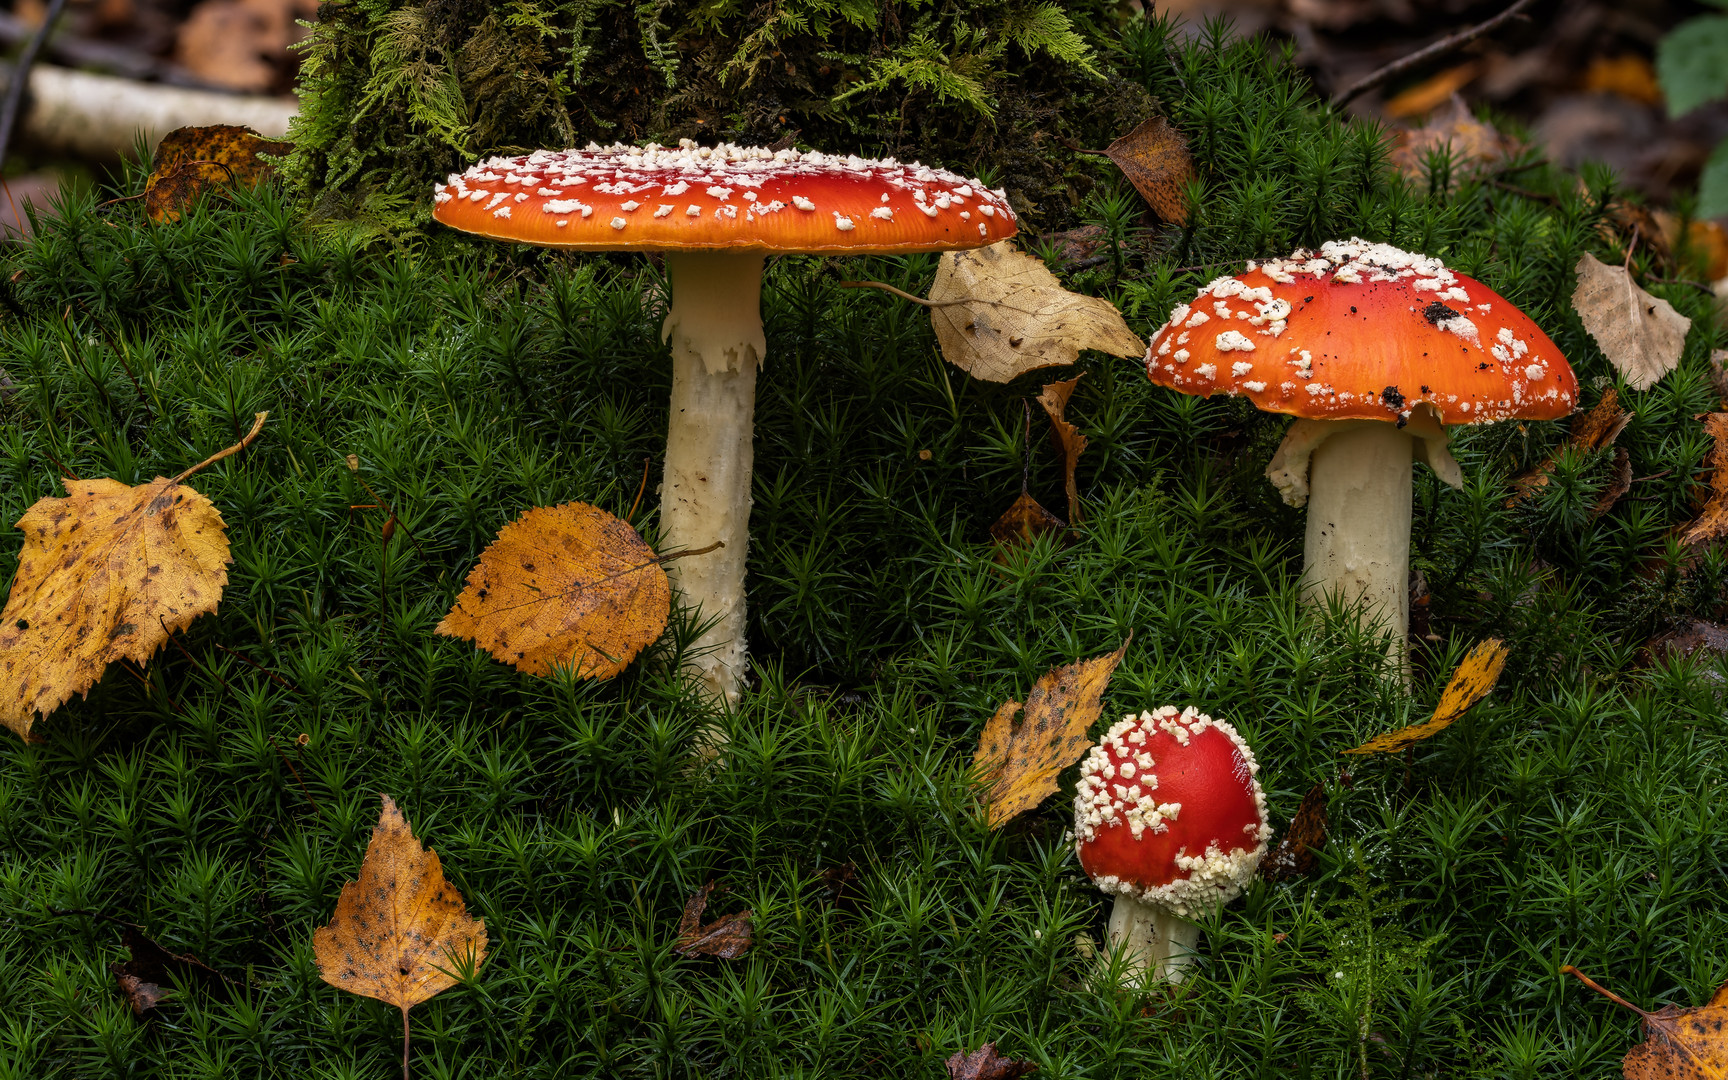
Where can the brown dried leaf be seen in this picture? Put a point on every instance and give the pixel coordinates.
(1713, 520)
(192, 160)
(1154, 157)
(1618, 484)
(1022, 523)
(1000, 313)
(1473, 681)
(401, 929)
(985, 1063)
(107, 573)
(1639, 334)
(1069, 442)
(1590, 431)
(1294, 855)
(1679, 1044)
(1019, 759)
(145, 976)
(567, 586)
(727, 937)
(1474, 144)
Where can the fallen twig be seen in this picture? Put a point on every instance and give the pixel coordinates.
(1421, 56)
(21, 76)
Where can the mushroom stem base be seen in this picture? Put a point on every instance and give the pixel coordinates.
(1358, 542)
(715, 330)
(1156, 945)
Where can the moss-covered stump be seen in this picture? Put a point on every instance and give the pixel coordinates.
(1576, 817)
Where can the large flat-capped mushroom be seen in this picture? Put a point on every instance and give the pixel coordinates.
(716, 213)
(1374, 350)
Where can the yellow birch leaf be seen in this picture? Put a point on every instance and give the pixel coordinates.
(568, 586)
(106, 574)
(1020, 758)
(401, 930)
(1472, 682)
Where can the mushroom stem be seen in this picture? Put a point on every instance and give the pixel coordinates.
(715, 330)
(1157, 945)
(1358, 543)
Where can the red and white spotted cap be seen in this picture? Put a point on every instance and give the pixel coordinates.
(1168, 811)
(696, 198)
(1362, 331)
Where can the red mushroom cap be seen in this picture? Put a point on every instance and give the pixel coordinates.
(1366, 332)
(689, 197)
(1168, 811)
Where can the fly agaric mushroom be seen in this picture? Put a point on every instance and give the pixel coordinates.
(1169, 818)
(716, 213)
(1373, 349)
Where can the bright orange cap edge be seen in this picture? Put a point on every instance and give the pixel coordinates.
(1363, 331)
(631, 198)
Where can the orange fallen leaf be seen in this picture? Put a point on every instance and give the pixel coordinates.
(1054, 397)
(107, 573)
(1713, 521)
(1294, 855)
(1679, 1044)
(1154, 157)
(1000, 313)
(1472, 682)
(190, 161)
(1629, 75)
(1019, 758)
(400, 931)
(1432, 92)
(728, 937)
(1590, 431)
(564, 586)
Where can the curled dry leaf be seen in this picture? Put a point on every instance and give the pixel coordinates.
(1679, 1044)
(105, 574)
(401, 930)
(1639, 334)
(1154, 157)
(1294, 855)
(1713, 520)
(1590, 431)
(1473, 681)
(150, 970)
(1619, 483)
(1473, 144)
(985, 1063)
(568, 586)
(192, 160)
(1000, 313)
(728, 937)
(1020, 752)
(1054, 397)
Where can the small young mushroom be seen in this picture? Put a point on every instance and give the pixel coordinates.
(1169, 817)
(1373, 349)
(716, 212)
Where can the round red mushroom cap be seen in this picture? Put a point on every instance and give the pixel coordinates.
(1366, 332)
(1168, 811)
(695, 198)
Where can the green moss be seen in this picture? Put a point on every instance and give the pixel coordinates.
(1574, 817)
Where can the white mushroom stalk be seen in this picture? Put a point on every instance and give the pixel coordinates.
(714, 328)
(1355, 478)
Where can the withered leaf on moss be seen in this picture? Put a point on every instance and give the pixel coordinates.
(190, 161)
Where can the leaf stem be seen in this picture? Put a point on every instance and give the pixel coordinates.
(251, 436)
(1568, 969)
(901, 293)
(404, 1042)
